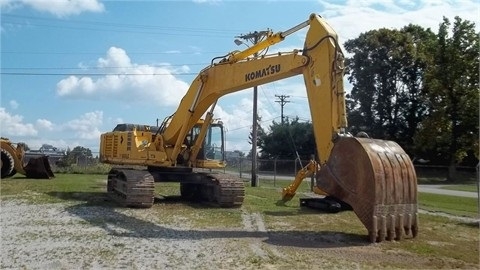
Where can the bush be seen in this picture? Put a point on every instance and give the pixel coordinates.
(91, 169)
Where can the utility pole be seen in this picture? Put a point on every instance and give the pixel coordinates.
(254, 38)
(282, 102)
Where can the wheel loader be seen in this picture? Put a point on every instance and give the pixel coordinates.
(12, 161)
(375, 177)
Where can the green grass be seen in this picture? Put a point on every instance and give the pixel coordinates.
(449, 204)
(79, 187)
(442, 239)
(470, 187)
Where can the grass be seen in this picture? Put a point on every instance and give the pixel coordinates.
(440, 240)
(78, 187)
(82, 187)
(449, 204)
(470, 187)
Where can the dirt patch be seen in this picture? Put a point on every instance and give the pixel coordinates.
(78, 236)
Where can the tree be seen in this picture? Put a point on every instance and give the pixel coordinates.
(284, 140)
(387, 73)
(450, 129)
(239, 153)
(77, 152)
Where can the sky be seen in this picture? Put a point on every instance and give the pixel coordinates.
(73, 69)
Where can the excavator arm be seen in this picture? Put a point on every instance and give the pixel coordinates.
(222, 79)
(321, 63)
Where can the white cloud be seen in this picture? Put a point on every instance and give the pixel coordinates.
(237, 120)
(207, 1)
(14, 104)
(127, 81)
(354, 17)
(173, 52)
(11, 125)
(44, 124)
(86, 126)
(60, 8)
(116, 59)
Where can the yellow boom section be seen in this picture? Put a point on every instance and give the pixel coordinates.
(319, 54)
(211, 84)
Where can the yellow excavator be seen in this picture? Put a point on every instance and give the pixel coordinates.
(12, 162)
(375, 177)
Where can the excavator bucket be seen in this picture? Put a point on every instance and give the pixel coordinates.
(38, 168)
(377, 179)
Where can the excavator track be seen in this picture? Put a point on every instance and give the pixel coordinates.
(222, 190)
(131, 188)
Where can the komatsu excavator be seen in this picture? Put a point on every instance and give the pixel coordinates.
(375, 177)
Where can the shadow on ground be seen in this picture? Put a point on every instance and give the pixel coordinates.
(99, 211)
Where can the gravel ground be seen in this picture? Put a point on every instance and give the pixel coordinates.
(59, 236)
(80, 236)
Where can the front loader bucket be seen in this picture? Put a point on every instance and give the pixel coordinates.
(378, 180)
(39, 168)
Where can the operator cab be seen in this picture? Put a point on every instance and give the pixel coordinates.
(213, 144)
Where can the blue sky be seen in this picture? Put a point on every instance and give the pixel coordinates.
(60, 59)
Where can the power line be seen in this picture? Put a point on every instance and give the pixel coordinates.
(120, 25)
(19, 20)
(243, 127)
(93, 74)
(99, 68)
(95, 53)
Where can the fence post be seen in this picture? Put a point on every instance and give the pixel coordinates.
(295, 166)
(478, 188)
(274, 171)
(312, 179)
(240, 167)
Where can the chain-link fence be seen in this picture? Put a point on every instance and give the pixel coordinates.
(274, 167)
(266, 170)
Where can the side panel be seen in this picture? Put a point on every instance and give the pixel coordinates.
(131, 148)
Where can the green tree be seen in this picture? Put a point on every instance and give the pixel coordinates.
(450, 129)
(77, 152)
(285, 140)
(387, 73)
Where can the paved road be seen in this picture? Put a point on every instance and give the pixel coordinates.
(437, 189)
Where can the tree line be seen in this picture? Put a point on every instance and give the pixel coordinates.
(410, 85)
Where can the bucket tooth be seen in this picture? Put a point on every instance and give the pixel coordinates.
(378, 180)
